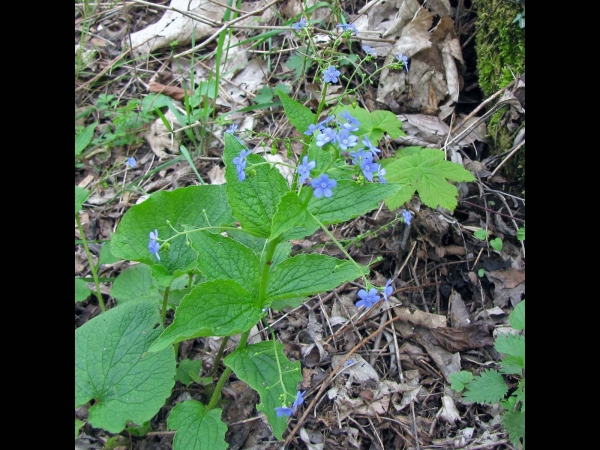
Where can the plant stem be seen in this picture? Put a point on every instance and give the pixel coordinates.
(163, 312)
(93, 268)
(271, 246)
(225, 375)
(217, 359)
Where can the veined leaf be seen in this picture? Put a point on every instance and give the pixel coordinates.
(489, 387)
(298, 114)
(214, 308)
(428, 173)
(197, 427)
(267, 370)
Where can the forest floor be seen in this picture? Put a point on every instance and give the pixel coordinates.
(454, 291)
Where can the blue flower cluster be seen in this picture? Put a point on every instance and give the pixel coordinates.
(345, 140)
(300, 24)
(240, 164)
(287, 411)
(368, 299)
(131, 162)
(407, 216)
(348, 27)
(403, 59)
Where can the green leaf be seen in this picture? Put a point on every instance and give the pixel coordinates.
(78, 425)
(496, 244)
(265, 95)
(373, 124)
(292, 213)
(188, 370)
(517, 317)
(296, 62)
(223, 258)
(521, 233)
(84, 137)
(112, 367)
(140, 430)
(135, 283)
(267, 370)
(210, 208)
(81, 290)
(349, 200)
(489, 387)
(481, 272)
(428, 173)
(81, 196)
(513, 346)
(152, 102)
(214, 308)
(253, 201)
(197, 427)
(460, 379)
(480, 234)
(298, 114)
(514, 422)
(309, 274)
(106, 256)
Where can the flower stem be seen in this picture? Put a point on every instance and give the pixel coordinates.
(93, 268)
(225, 375)
(217, 359)
(163, 312)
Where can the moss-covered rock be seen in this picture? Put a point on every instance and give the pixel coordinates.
(500, 47)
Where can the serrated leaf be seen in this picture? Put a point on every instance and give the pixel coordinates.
(84, 137)
(349, 200)
(265, 95)
(517, 317)
(267, 370)
(81, 290)
(310, 274)
(185, 208)
(254, 200)
(257, 244)
(197, 427)
(496, 244)
(291, 213)
(78, 425)
(214, 308)
(188, 370)
(106, 256)
(298, 114)
(385, 121)
(514, 422)
(135, 283)
(428, 173)
(81, 196)
(513, 346)
(112, 367)
(489, 387)
(460, 379)
(224, 258)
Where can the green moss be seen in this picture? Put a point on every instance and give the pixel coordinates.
(500, 48)
(499, 43)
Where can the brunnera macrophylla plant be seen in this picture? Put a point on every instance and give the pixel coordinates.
(220, 257)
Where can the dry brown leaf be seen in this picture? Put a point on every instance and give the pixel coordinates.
(475, 335)
(420, 318)
(175, 92)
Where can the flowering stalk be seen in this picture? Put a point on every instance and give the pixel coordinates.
(93, 267)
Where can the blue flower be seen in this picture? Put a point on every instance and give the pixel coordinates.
(131, 162)
(388, 289)
(345, 139)
(407, 216)
(349, 362)
(323, 185)
(320, 126)
(299, 399)
(367, 300)
(369, 51)
(403, 59)
(380, 174)
(348, 27)
(154, 246)
(304, 169)
(231, 129)
(331, 74)
(360, 156)
(351, 123)
(284, 411)
(367, 143)
(300, 24)
(240, 164)
(325, 136)
(368, 167)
